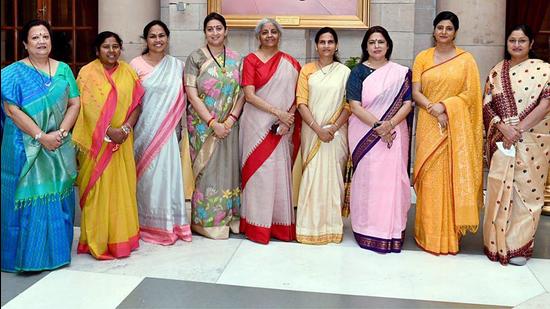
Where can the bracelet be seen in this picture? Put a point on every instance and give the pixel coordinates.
(429, 106)
(38, 136)
(233, 116)
(210, 122)
(63, 133)
(391, 124)
(126, 129)
(311, 123)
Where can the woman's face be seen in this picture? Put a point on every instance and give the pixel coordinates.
(326, 47)
(157, 40)
(109, 52)
(377, 46)
(444, 32)
(39, 43)
(215, 33)
(269, 36)
(518, 44)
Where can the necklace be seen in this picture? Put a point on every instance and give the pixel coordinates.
(48, 83)
(216, 60)
(331, 66)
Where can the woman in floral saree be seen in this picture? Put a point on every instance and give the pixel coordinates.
(516, 113)
(379, 92)
(212, 76)
(449, 137)
(268, 145)
(161, 207)
(110, 95)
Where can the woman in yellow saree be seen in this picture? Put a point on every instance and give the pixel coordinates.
(448, 166)
(110, 96)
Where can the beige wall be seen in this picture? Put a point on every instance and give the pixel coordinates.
(395, 15)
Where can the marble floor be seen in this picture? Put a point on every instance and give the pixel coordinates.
(237, 273)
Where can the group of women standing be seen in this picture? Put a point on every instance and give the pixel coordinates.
(247, 139)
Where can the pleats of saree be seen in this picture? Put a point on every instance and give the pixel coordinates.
(515, 196)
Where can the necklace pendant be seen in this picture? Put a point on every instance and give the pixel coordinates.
(224, 70)
(47, 84)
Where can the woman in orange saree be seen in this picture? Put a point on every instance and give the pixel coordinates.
(516, 112)
(448, 165)
(110, 96)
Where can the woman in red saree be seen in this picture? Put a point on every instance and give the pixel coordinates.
(269, 139)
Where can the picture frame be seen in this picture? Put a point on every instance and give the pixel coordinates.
(349, 14)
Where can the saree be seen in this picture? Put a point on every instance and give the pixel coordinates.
(267, 158)
(161, 209)
(380, 187)
(517, 178)
(448, 165)
(37, 184)
(321, 193)
(107, 177)
(216, 198)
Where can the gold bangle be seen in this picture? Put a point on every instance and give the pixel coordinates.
(391, 124)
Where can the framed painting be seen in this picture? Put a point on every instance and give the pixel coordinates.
(350, 14)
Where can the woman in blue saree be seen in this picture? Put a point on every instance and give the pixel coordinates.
(41, 102)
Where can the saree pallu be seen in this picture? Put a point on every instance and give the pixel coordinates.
(107, 177)
(380, 188)
(321, 193)
(267, 158)
(216, 198)
(161, 208)
(448, 167)
(37, 184)
(516, 182)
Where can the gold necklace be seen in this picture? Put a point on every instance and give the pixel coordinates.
(328, 65)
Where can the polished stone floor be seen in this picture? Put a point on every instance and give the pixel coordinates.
(237, 273)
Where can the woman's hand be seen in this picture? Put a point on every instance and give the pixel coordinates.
(443, 120)
(285, 117)
(511, 134)
(117, 135)
(220, 130)
(283, 129)
(384, 128)
(388, 138)
(51, 141)
(436, 109)
(325, 135)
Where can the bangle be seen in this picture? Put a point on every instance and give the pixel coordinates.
(210, 122)
(38, 136)
(126, 129)
(233, 116)
(429, 106)
(63, 133)
(311, 123)
(391, 124)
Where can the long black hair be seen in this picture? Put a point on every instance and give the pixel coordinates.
(365, 43)
(334, 35)
(148, 27)
(528, 33)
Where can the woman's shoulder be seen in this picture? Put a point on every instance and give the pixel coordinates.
(343, 67)
(425, 53)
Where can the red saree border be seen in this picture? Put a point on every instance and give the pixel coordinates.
(262, 234)
(525, 251)
(107, 155)
(257, 158)
(162, 135)
(114, 250)
(444, 62)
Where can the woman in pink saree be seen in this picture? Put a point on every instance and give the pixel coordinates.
(269, 139)
(379, 92)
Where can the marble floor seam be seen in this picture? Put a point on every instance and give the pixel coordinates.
(228, 262)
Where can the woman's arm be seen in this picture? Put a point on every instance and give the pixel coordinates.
(536, 115)
(198, 105)
(73, 108)
(324, 134)
(284, 117)
(50, 141)
(235, 112)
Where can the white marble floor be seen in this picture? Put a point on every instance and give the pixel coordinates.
(336, 269)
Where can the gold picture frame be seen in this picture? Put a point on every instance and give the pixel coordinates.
(358, 21)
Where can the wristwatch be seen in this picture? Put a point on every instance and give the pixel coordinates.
(63, 133)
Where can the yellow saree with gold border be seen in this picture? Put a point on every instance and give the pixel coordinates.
(448, 164)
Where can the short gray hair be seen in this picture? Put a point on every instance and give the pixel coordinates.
(263, 22)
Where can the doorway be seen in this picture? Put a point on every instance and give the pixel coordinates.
(74, 27)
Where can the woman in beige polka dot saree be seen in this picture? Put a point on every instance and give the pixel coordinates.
(517, 121)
